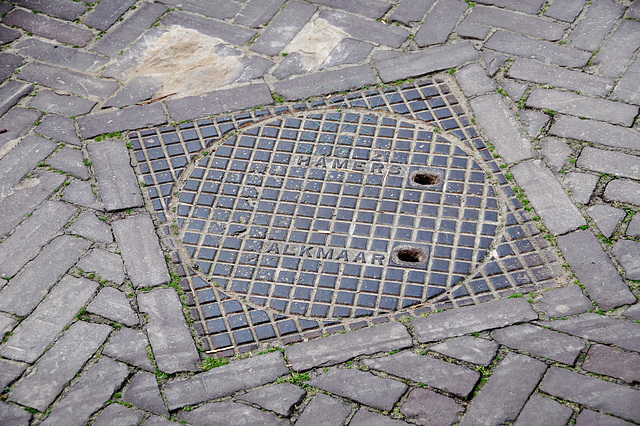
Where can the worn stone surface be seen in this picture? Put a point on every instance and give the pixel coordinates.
(593, 392)
(105, 265)
(468, 30)
(225, 380)
(114, 305)
(373, 9)
(258, 12)
(60, 55)
(229, 413)
(17, 122)
(469, 349)
(628, 254)
(474, 81)
(627, 88)
(547, 410)
(364, 29)
(232, 34)
(316, 353)
(158, 421)
(516, 91)
(279, 398)
(623, 191)
(411, 11)
(633, 230)
(82, 194)
(129, 346)
(564, 302)
(66, 105)
(596, 24)
(70, 161)
(533, 121)
(595, 270)
(526, 25)
(6, 325)
(595, 131)
(613, 362)
(129, 118)
(349, 51)
(59, 365)
(284, 28)
(556, 152)
(589, 417)
(618, 50)
(565, 10)
(506, 392)
(106, 13)
(41, 25)
(120, 415)
(440, 22)
(581, 185)
(138, 89)
(325, 82)
(531, 7)
(8, 63)
(64, 9)
(60, 128)
(21, 160)
(364, 417)
(440, 374)
(361, 386)
(9, 372)
(89, 226)
(606, 217)
(144, 393)
(14, 415)
(324, 409)
(8, 35)
(427, 407)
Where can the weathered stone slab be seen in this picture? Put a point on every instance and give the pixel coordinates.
(82, 194)
(633, 230)
(326, 82)
(595, 270)
(21, 160)
(324, 409)
(468, 348)
(116, 180)
(9, 371)
(485, 316)
(232, 34)
(59, 55)
(11, 93)
(90, 227)
(429, 408)
(349, 51)
(426, 61)
(610, 162)
(220, 9)
(59, 128)
(627, 88)
(59, 365)
(258, 12)
(362, 387)
(324, 352)
(596, 131)
(516, 22)
(41, 25)
(628, 254)
(220, 101)
(548, 198)
(6, 325)
(104, 264)
(581, 185)
(25, 291)
(65, 9)
(129, 118)
(225, 380)
(373, 9)
(468, 30)
(7, 35)
(113, 304)
(120, 415)
(592, 392)
(364, 29)
(32, 234)
(564, 302)
(141, 251)
(138, 89)
(440, 22)
(106, 13)
(595, 25)
(70, 161)
(31, 338)
(364, 417)
(538, 409)
(506, 392)
(129, 346)
(533, 121)
(158, 421)
(589, 418)
(613, 362)
(145, 394)
(69, 106)
(473, 80)
(555, 151)
(544, 51)
(279, 398)
(8, 63)
(14, 415)
(221, 412)
(17, 122)
(582, 106)
(411, 11)
(599, 328)
(619, 48)
(531, 7)
(499, 124)
(565, 10)
(606, 217)
(451, 378)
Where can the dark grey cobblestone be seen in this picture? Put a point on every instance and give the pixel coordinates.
(106, 13)
(531, 7)
(14, 415)
(47, 27)
(279, 398)
(538, 408)
(565, 10)
(364, 417)
(69, 106)
(427, 407)
(233, 34)
(589, 417)
(596, 24)
(411, 11)
(90, 227)
(469, 349)
(70, 161)
(373, 9)
(619, 48)
(627, 88)
(258, 12)
(628, 254)
(564, 302)
(326, 82)
(138, 89)
(8, 63)
(324, 409)
(284, 27)
(581, 185)
(82, 194)
(11, 93)
(65, 9)
(59, 55)
(613, 362)
(120, 415)
(17, 122)
(226, 412)
(609, 162)
(21, 160)
(144, 393)
(104, 264)
(595, 131)
(220, 9)
(357, 27)
(9, 372)
(440, 22)
(114, 305)
(61, 129)
(129, 346)
(607, 218)
(519, 23)
(122, 119)
(473, 80)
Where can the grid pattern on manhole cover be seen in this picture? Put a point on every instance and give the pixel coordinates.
(475, 247)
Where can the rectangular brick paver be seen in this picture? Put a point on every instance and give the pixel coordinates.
(23, 159)
(11, 93)
(440, 22)
(69, 106)
(526, 25)
(567, 126)
(539, 407)
(364, 29)
(373, 9)
(628, 88)
(609, 162)
(65, 9)
(18, 121)
(134, 117)
(623, 191)
(410, 11)
(565, 10)
(531, 6)
(232, 34)
(618, 50)
(595, 25)
(326, 82)
(284, 27)
(221, 9)
(613, 362)
(43, 26)
(258, 12)
(8, 63)
(58, 55)
(106, 13)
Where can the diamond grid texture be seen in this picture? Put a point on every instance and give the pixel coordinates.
(234, 315)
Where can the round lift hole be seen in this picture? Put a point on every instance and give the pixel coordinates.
(411, 255)
(426, 178)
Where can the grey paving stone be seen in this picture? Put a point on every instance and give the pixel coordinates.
(158, 421)
(365, 29)
(227, 413)
(628, 254)
(7, 324)
(258, 12)
(613, 362)
(469, 30)
(606, 217)
(367, 341)
(473, 80)
(533, 121)
(220, 101)
(59, 365)
(617, 51)
(556, 151)
(531, 7)
(43, 26)
(232, 34)
(326, 82)
(324, 410)
(373, 9)
(486, 316)
(65, 9)
(364, 417)
(120, 415)
(24, 199)
(590, 418)
(220, 9)
(123, 35)
(9, 371)
(17, 122)
(279, 398)
(499, 124)
(411, 11)
(69, 81)
(89, 394)
(592, 392)
(609, 162)
(543, 411)
(582, 186)
(429, 408)
(284, 27)
(530, 70)
(599, 328)
(451, 378)
(493, 62)
(26, 290)
(506, 392)
(595, 25)
(292, 65)
(59, 55)
(116, 180)
(349, 51)
(11, 93)
(21, 160)
(564, 301)
(5, 7)
(61, 129)
(627, 88)
(565, 10)
(144, 393)
(548, 198)
(89, 226)
(595, 270)
(8, 63)
(82, 194)
(69, 106)
(170, 338)
(8, 35)
(440, 22)
(133, 117)
(632, 312)
(30, 340)
(141, 251)
(634, 227)
(113, 304)
(129, 346)
(362, 387)
(104, 264)
(14, 415)
(32, 234)
(106, 13)
(595, 131)
(515, 90)
(541, 342)
(222, 381)
(468, 348)
(138, 89)
(544, 51)
(70, 161)
(526, 25)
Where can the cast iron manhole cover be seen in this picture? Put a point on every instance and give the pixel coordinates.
(324, 213)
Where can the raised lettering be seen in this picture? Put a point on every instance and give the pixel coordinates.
(360, 257)
(340, 165)
(359, 166)
(321, 163)
(394, 169)
(379, 258)
(306, 250)
(304, 160)
(377, 167)
(286, 248)
(273, 249)
(343, 255)
(321, 254)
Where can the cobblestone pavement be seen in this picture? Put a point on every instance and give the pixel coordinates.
(319, 212)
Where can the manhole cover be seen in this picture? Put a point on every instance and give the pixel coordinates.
(326, 213)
